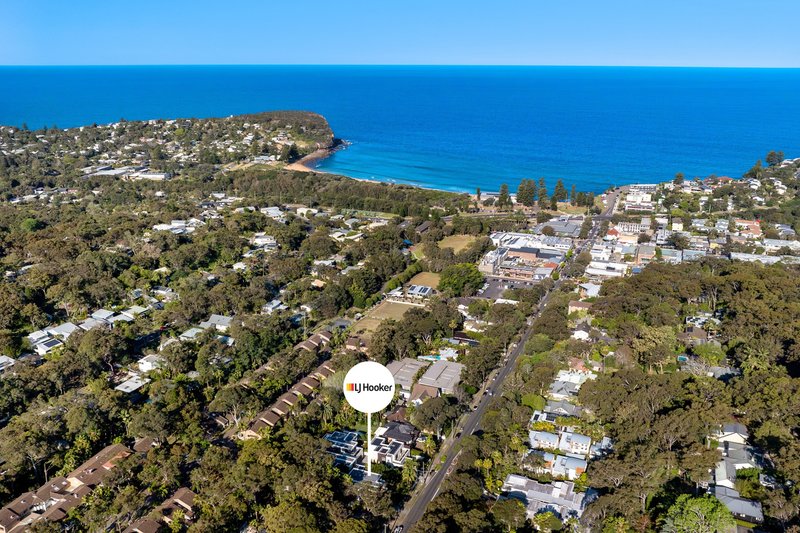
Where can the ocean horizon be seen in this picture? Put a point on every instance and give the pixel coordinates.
(458, 127)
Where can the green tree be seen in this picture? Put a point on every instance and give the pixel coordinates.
(543, 200)
(756, 171)
(409, 475)
(704, 514)
(774, 158)
(526, 193)
(461, 279)
(678, 241)
(503, 199)
(509, 513)
(560, 192)
(30, 224)
(288, 516)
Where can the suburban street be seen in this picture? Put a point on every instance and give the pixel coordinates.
(429, 487)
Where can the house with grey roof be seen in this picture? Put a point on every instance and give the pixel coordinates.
(558, 497)
(220, 322)
(63, 330)
(563, 390)
(562, 408)
(404, 372)
(741, 508)
(443, 375)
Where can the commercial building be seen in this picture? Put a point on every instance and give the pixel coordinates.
(404, 372)
(443, 375)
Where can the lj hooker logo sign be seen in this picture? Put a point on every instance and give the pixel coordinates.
(369, 387)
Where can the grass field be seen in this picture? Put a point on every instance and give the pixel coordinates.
(383, 311)
(566, 207)
(457, 242)
(429, 279)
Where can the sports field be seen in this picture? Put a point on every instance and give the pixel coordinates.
(429, 279)
(457, 242)
(383, 311)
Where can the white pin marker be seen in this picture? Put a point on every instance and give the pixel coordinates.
(369, 388)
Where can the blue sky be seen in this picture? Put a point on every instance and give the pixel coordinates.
(757, 33)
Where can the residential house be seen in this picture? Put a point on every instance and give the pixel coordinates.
(6, 362)
(420, 393)
(183, 502)
(732, 432)
(562, 466)
(92, 472)
(579, 307)
(149, 363)
(589, 290)
(273, 306)
(559, 497)
(220, 322)
(574, 443)
(582, 331)
(144, 525)
(133, 383)
(741, 508)
(543, 440)
(392, 443)
(355, 343)
(344, 447)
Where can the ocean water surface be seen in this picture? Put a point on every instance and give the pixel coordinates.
(458, 128)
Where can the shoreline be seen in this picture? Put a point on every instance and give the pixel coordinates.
(308, 163)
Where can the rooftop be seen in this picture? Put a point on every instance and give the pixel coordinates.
(443, 375)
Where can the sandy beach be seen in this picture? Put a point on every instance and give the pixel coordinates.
(306, 164)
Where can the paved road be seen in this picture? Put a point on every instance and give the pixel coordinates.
(611, 203)
(416, 506)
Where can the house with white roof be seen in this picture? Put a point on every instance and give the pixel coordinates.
(91, 323)
(149, 363)
(543, 440)
(273, 307)
(102, 314)
(574, 443)
(6, 362)
(220, 322)
(190, 334)
(132, 384)
(562, 466)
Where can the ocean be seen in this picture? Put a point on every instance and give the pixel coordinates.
(458, 128)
